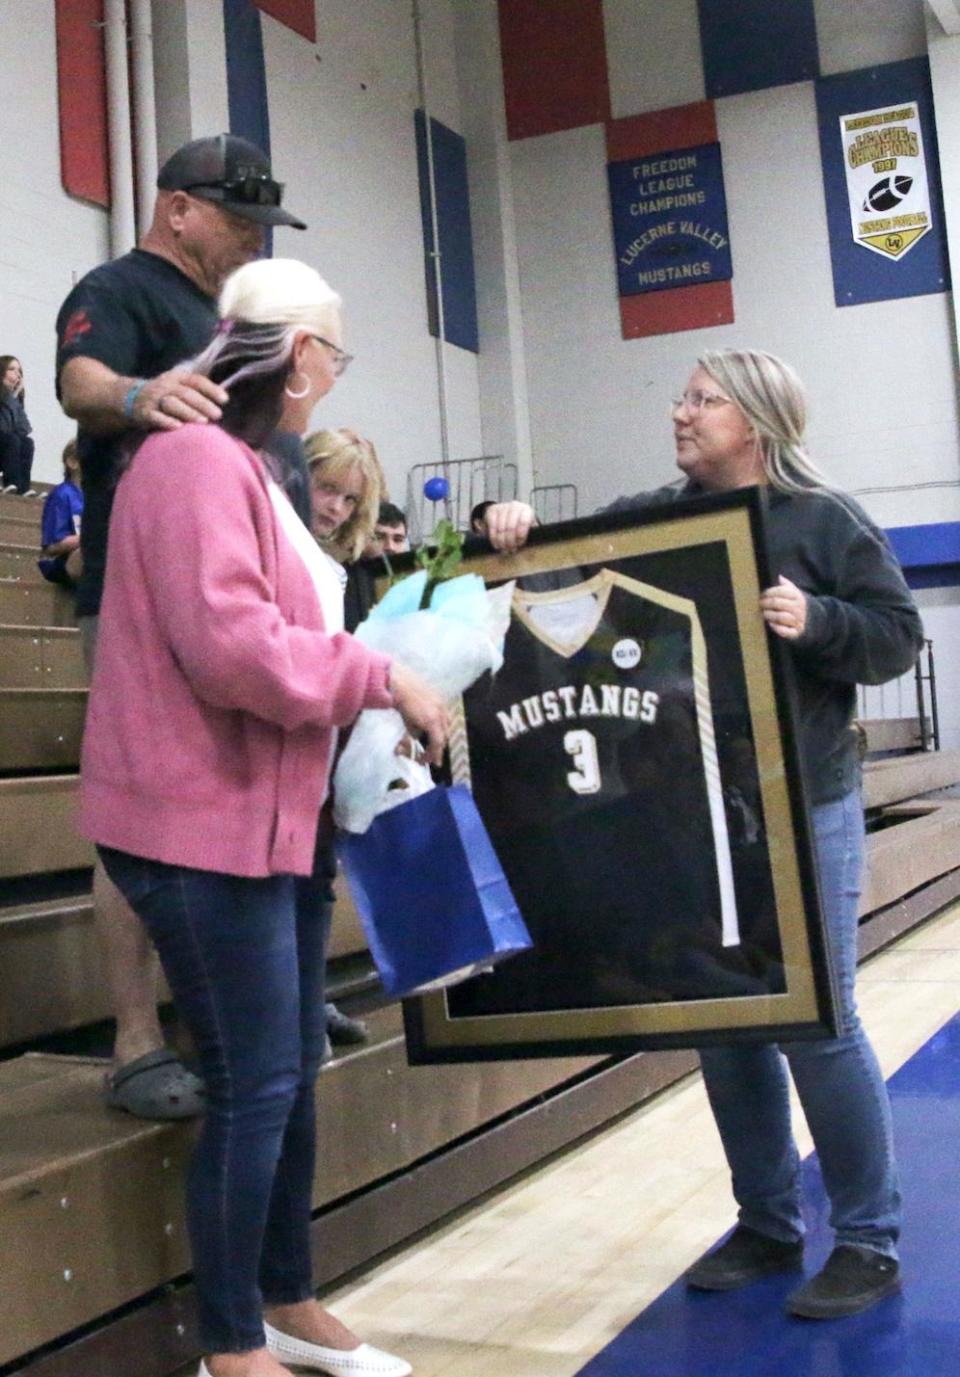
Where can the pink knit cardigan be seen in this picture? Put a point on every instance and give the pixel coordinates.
(208, 731)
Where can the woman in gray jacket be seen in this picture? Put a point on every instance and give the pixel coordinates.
(843, 606)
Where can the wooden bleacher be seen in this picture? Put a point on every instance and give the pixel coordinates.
(91, 1200)
(92, 1245)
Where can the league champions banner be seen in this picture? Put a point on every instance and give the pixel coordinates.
(634, 764)
(881, 182)
(670, 220)
(886, 178)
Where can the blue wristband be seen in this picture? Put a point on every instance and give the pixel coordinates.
(130, 399)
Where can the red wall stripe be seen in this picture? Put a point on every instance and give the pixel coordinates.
(299, 15)
(679, 308)
(554, 59)
(82, 93)
(676, 308)
(684, 126)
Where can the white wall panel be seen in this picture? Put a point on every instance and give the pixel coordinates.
(438, 37)
(863, 33)
(343, 140)
(583, 379)
(191, 72)
(653, 55)
(47, 239)
(501, 365)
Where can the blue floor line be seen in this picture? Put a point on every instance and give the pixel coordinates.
(916, 1334)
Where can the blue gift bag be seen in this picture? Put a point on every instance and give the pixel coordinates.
(431, 894)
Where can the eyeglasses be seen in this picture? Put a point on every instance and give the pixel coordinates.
(256, 189)
(341, 359)
(697, 401)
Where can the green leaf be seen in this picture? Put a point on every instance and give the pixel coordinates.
(441, 559)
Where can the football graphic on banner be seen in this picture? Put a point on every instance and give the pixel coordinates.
(887, 193)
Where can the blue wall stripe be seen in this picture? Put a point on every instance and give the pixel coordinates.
(456, 241)
(938, 543)
(757, 43)
(247, 79)
(859, 274)
(930, 554)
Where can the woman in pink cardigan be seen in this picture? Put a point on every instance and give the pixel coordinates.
(223, 676)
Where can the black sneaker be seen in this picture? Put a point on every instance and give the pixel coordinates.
(852, 1280)
(344, 1031)
(745, 1257)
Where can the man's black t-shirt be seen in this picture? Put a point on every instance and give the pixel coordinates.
(138, 315)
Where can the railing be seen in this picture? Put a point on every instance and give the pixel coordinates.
(488, 478)
(912, 697)
(554, 502)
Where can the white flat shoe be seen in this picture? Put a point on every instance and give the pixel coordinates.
(365, 1361)
(204, 1371)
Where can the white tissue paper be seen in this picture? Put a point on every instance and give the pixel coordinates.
(450, 645)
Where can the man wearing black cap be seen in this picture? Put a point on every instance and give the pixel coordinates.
(120, 333)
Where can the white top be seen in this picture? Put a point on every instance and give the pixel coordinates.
(328, 576)
(326, 573)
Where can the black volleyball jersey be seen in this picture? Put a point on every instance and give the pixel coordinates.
(602, 703)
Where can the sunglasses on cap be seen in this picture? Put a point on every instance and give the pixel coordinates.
(255, 189)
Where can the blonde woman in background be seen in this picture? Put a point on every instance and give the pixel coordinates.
(346, 488)
(346, 484)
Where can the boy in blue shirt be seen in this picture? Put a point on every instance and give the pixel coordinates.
(60, 561)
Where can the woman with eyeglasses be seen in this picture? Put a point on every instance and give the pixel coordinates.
(223, 676)
(842, 605)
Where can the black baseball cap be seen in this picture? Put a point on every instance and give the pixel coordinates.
(231, 172)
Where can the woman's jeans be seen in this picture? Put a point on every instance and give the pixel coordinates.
(244, 961)
(838, 1080)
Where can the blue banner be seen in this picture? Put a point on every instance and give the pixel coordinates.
(457, 276)
(859, 273)
(670, 220)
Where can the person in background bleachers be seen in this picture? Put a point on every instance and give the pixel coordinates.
(478, 524)
(122, 333)
(16, 440)
(390, 533)
(60, 559)
(223, 677)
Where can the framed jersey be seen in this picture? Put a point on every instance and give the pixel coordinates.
(635, 764)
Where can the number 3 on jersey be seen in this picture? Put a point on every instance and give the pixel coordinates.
(584, 778)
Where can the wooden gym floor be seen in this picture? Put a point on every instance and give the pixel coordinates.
(541, 1277)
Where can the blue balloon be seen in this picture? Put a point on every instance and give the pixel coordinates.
(436, 489)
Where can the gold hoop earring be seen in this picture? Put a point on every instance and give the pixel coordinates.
(297, 396)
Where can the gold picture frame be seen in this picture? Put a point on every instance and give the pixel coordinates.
(667, 861)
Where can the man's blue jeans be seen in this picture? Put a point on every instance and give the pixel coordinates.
(245, 963)
(838, 1080)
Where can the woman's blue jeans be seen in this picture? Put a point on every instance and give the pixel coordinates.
(839, 1082)
(245, 963)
